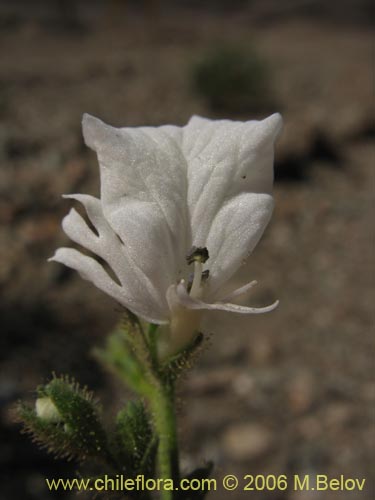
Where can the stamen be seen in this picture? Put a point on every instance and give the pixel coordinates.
(189, 282)
(205, 276)
(196, 285)
(239, 291)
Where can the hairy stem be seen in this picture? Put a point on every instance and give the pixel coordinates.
(162, 406)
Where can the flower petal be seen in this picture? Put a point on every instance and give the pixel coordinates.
(109, 247)
(178, 293)
(91, 270)
(226, 158)
(143, 194)
(234, 232)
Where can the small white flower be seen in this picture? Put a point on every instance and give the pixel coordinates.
(164, 191)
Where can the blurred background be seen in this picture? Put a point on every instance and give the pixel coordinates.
(289, 392)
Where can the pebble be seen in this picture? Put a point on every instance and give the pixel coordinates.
(301, 392)
(247, 441)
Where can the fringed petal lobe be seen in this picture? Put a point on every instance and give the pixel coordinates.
(137, 288)
(89, 269)
(181, 295)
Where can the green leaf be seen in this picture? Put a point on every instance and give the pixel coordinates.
(119, 357)
(134, 439)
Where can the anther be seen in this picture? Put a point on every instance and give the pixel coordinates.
(205, 275)
(197, 254)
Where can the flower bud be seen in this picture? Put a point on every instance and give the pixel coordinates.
(46, 410)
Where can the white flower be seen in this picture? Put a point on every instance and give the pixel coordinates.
(165, 190)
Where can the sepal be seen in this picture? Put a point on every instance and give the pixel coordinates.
(182, 360)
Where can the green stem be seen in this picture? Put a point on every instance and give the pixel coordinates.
(162, 406)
